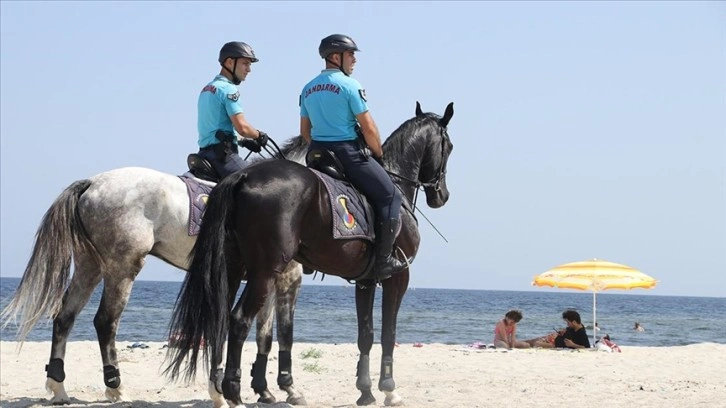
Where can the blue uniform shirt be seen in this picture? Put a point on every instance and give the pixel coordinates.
(331, 101)
(218, 101)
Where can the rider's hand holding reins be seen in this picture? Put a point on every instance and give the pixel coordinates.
(262, 138)
(250, 144)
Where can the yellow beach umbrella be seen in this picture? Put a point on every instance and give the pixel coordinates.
(595, 275)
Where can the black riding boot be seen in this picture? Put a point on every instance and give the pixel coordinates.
(386, 265)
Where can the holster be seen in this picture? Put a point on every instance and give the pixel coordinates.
(227, 145)
(362, 145)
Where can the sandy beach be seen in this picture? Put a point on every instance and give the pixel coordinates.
(433, 375)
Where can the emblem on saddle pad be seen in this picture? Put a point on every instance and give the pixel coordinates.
(348, 218)
(351, 213)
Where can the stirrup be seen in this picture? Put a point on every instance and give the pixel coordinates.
(380, 277)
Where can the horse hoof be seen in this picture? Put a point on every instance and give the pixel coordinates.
(60, 400)
(216, 396)
(266, 397)
(297, 401)
(366, 398)
(392, 399)
(115, 394)
(233, 404)
(59, 392)
(219, 403)
(293, 396)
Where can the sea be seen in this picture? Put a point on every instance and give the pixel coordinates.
(448, 316)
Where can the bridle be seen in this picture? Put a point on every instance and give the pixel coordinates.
(435, 182)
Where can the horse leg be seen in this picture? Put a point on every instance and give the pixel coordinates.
(216, 371)
(115, 297)
(364, 297)
(251, 301)
(216, 374)
(287, 287)
(84, 280)
(264, 346)
(393, 290)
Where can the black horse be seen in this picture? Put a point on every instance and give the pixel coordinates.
(273, 212)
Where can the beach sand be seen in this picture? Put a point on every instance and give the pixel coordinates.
(433, 375)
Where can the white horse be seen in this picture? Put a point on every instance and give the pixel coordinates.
(107, 225)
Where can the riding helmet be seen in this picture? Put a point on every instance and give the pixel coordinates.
(236, 49)
(336, 43)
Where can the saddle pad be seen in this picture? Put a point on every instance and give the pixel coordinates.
(198, 194)
(351, 212)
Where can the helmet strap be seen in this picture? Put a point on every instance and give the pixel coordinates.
(235, 80)
(339, 66)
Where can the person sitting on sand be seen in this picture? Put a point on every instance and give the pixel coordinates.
(638, 327)
(574, 336)
(505, 332)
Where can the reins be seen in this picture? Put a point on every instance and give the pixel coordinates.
(434, 183)
(275, 152)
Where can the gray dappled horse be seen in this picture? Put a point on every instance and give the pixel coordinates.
(261, 218)
(107, 225)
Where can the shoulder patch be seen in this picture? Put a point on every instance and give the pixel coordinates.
(234, 97)
(362, 93)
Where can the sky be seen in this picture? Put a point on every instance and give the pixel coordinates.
(581, 129)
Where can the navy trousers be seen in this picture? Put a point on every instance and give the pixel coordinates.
(368, 176)
(224, 163)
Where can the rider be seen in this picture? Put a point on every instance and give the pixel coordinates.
(220, 119)
(333, 111)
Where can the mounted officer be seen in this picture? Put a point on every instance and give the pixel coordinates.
(220, 116)
(334, 116)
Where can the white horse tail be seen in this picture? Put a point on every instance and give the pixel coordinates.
(46, 276)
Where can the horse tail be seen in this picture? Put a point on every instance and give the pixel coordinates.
(61, 233)
(200, 318)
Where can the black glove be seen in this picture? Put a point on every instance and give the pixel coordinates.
(379, 160)
(262, 140)
(250, 144)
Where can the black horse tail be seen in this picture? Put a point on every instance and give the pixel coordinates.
(200, 318)
(60, 235)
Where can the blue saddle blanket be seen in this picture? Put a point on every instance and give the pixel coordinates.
(198, 191)
(352, 213)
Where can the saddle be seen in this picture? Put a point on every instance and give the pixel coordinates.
(201, 168)
(326, 162)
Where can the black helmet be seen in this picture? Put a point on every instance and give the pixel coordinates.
(236, 49)
(336, 43)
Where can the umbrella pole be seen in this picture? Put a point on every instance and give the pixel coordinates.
(594, 317)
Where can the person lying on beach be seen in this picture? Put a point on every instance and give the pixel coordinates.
(505, 332)
(574, 336)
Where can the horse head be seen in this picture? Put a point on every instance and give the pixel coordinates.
(432, 174)
(417, 154)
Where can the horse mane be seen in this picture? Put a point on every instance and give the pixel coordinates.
(293, 149)
(294, 144)
(403, 138)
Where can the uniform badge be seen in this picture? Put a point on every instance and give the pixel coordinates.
(362, 93)
(234, 97)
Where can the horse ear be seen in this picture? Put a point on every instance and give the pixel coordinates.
(419, 112)
(447, 115)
